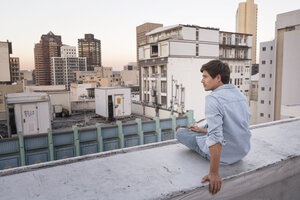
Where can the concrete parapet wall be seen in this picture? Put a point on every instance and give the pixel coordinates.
(166, 170)
(82, 105)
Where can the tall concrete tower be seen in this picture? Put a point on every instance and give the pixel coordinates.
(246, 22)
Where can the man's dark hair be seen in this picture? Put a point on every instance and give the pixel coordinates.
(215, 67)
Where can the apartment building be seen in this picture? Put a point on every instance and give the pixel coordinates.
(5, 51)
(141, 39)
(266, 81)
(235, 50)
(278, 92)
(90, 48)
(48, 47)
(287, 42)
(130, 75)
(63, 68)
(101, 76)
(170, 64)
(14, 69)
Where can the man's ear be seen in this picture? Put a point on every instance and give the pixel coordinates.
(219, 77)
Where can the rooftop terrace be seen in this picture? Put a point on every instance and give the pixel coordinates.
(166, 170)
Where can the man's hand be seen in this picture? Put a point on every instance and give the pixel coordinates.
(215, 182)
(197, 129)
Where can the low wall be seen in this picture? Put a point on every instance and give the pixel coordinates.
(83, 105)
(149, 111)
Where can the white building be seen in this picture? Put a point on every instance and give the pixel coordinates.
(266, 81)
(63, 68)
(279, 81)
(287, 81)
(130, 75)
(235, 50)
(68, 51)
(5, 51)
(170, 64)
(131, 66)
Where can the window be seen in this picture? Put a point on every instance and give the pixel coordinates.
(270, 61)
(262, 102)
(262, 88)
(269, 115)
(264, 49)
(253, 85)
(197, 50)
(270, 75)
(271, 48)
(263, 62)
(261, 114)
(154, 50)
(270, 89)
(197, 34)
(269, 102)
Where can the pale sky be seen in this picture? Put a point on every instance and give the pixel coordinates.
(114, 22)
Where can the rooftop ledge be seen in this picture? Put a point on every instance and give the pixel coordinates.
(166, 170)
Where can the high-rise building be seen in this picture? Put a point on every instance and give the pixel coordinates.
(14, 69)
(5, 51)
(287, 61)
(246, 22)
(63, 68)
(235, 50)
(90, 48)
(278, 93)
(48, 47)
(265, 101)
(141, 39)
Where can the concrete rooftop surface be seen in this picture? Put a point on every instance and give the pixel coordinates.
(166, 170)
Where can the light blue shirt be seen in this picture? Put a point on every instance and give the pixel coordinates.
(227, 114)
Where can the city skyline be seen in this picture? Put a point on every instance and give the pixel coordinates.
(114, 23)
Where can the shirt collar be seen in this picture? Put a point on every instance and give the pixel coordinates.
(225, 86)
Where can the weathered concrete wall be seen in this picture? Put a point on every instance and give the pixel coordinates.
(150, 111)
(83, 105)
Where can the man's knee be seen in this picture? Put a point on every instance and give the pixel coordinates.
(180, 133)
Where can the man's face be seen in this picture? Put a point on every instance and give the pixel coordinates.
(208, 82)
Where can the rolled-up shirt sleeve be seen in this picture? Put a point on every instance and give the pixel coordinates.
(214, 118)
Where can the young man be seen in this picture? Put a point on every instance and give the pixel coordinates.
(226, 137)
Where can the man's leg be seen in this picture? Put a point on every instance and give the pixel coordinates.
(188, 138)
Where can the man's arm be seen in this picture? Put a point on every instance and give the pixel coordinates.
(198, 129)
(213, 177)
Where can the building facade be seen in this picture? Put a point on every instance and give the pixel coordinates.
(14, 69)
(48, 47)
(63, 68)
(170, 63)
(287, 42)
(101, 76)
(254, 98)
(141, 39)
(246, 22)
(90, 48)
(131, 66)
(26, 75)
(235, 50)
(266, 81)
(5, 51)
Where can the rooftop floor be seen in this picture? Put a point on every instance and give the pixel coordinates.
(161, 171)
